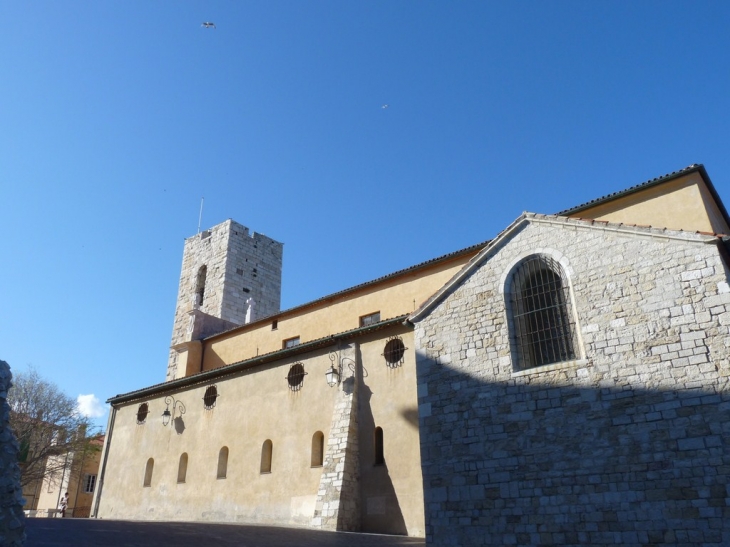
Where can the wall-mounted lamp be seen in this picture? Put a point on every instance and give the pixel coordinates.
(334, 374)
(167, 416)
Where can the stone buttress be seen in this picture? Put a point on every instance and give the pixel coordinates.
(338, 496)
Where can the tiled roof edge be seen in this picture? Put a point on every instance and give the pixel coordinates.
(233, 368)
(637, 229)
(404, 271)
(695, 167)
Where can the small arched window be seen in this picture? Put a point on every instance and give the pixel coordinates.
(222, 463)
(182, 467)
(378, 442)
(266, 453)
(148, 472)
(200, 285)
(542, 325)
(317, 449)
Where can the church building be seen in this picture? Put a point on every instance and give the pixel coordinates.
(564, 383)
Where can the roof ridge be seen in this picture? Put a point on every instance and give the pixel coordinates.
(232, 368)
(607, 223)
(634, 188)
(342, 292)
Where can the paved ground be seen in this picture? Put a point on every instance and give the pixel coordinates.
(44, 532)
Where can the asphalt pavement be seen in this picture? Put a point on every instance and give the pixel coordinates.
(56, 532)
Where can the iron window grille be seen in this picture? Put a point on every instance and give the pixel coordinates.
(210, 397)
(142, 412)
(543, 328)
(394, 352)
(296, 375)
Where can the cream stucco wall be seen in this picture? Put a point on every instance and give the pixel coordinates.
(391, 494)
(681, 204)
(254, 406)
(392, 297)
(53, 487)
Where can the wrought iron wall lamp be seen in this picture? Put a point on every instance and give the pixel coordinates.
(334, 374)
(168, 416)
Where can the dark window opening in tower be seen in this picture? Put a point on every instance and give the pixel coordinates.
(200, 285)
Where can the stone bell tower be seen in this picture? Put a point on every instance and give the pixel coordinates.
(229, 277)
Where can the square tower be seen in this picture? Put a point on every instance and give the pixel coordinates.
(229, 277)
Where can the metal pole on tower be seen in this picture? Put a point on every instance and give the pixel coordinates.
(200, 217)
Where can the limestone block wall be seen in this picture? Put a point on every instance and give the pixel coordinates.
(338, 496)
(12, 518)
(629, 443)
(241, 267)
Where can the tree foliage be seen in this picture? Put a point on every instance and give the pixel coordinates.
(48, 426)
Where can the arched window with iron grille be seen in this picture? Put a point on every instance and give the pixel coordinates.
(542, 327)
(394, 352)
(295, 377)
(142, 412)
(211, 394)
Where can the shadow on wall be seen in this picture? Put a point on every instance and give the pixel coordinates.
(380, 510)
(411, 416)
(531, 463)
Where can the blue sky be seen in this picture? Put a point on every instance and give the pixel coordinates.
(117, 117)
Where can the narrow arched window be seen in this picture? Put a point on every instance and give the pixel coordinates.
(182, 467)
(266, 452)
(542, 325)
(378, 443)
(222, 463)
(200, 285)
(148, 472)
(317, 449)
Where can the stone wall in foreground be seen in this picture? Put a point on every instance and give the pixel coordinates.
(12, 518)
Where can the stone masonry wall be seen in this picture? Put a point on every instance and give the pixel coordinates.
(338, 497)
(12, 518)
(628, 444)
(240, 265)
